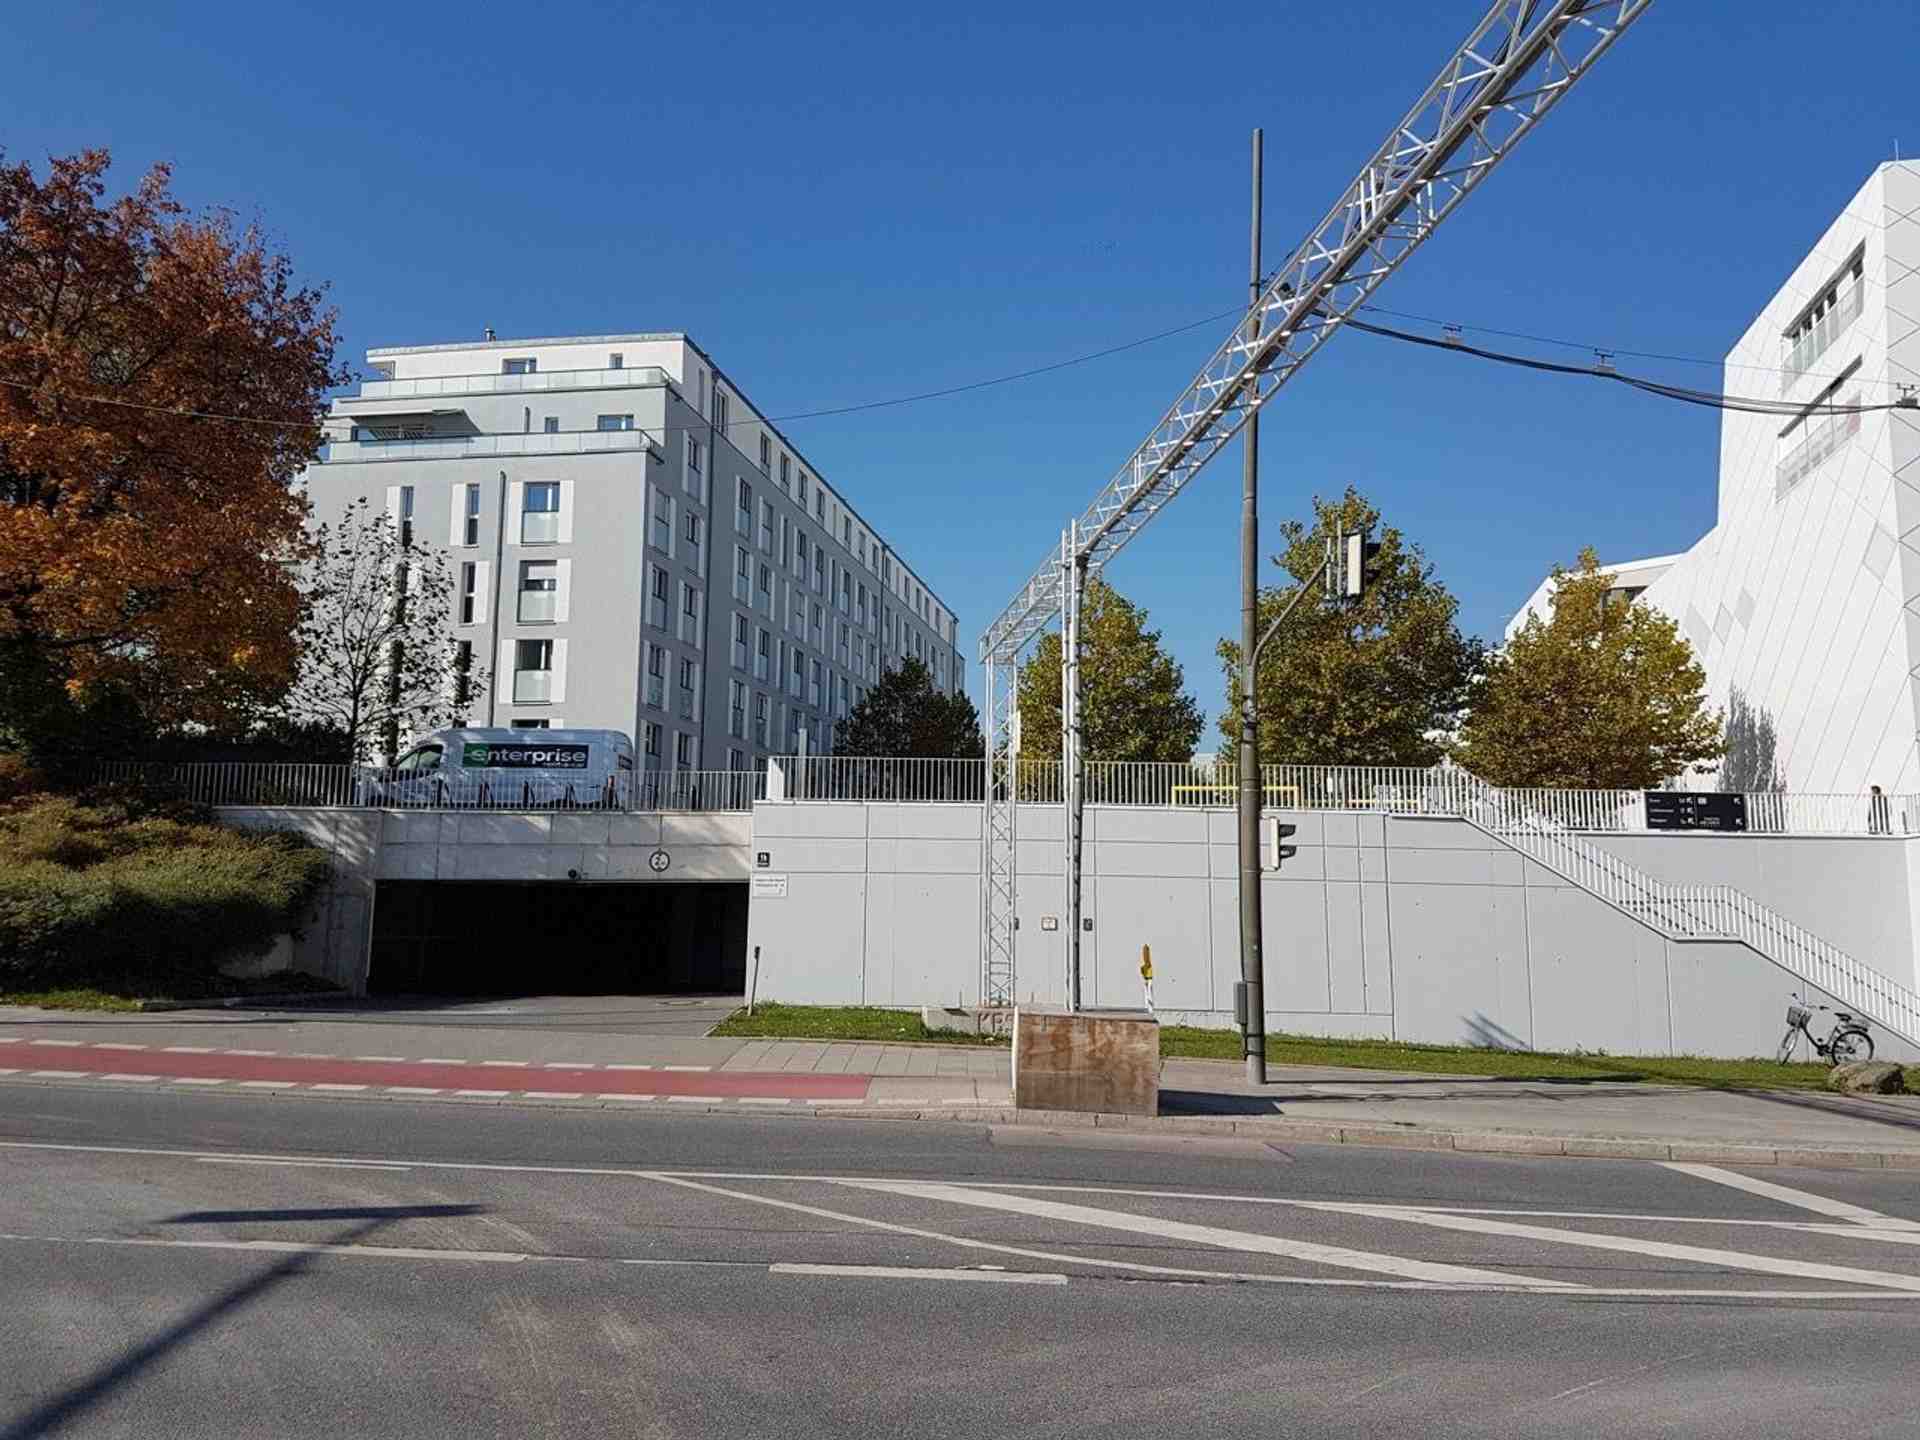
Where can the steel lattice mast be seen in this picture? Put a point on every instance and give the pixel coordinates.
(1514, 66)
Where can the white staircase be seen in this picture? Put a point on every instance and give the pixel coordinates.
(1713, 913)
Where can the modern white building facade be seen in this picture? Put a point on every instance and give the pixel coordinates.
(633, 545)
(1805, 596)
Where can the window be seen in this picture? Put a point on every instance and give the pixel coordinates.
(650, 739)
(693, 454)
(693, 539)
(616, 361)
(470, 525)
(539, 591)
(532, 671)
(613, 422)
(739, 642)
(690, 614)
(820, 506)
(762, 655)
(406, 514)
(766, 526)
(658, 592)
(423, 761)
(1831, 312)
(799, 674)
(800, 552)
(683, 751)
(540, 513)
(815, 692)
(721, 407)
(766, 454)
(846, 532)
(843, 642)
(786, 471)
(802, 492)
(532, 724)
(656, 676)
(462, 673)
(469, 591)
(742, 574)
(759, 719)
(766, 588)
(662, 523)
(737, 759)
(551, 425)
(736, 710)
(526, 366)
(743, 509)
(819, 617)
(861, 610)
(689, 680)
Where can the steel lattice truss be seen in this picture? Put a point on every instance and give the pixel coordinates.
(1513, 68)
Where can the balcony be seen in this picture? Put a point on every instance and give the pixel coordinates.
(537, 606)
(471, 447)
(430, 386)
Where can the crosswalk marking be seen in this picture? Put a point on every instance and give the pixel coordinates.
(1657, 1249)
(1248, 1241)
(1787, 1195)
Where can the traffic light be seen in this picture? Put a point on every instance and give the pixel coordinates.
(1357, 555)
(1277, 850)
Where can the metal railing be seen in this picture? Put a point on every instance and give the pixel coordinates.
(361, 786)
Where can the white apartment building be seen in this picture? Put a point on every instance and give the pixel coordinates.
(1805, 595)
(634, 546)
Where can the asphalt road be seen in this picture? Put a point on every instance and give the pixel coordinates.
(220, 1265)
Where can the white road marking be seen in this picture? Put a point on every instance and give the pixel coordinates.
(57, 1044)
(341, 1088)
(836, 1102)
(691, 1099)
(569, 1065)
(189, 1050)
(482, 1094)
(116, 1045)
(510, 1064)
(413, 1090)
(629, 1067)
(1787, 1195)
(56, 1074)
(907, 1272)
(9, 1039)
(687, 1067)
(610, 1095)
(304, 1164)
(133, 1079)
(268, 1084)
(1307, 1251)
(195, 1080)
(762, 1100)
(454, 1062)
(1657, 1249)
(255, 1053)
(383, 1059)
(9, 1072)
(286, 1247)
(551, 1094)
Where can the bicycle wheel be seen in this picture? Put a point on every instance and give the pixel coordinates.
(1786, 1045)
(1850, 1045)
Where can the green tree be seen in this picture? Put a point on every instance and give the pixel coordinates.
(903, 715)
(1605, 695)
(1377, 680)
(1133, 701)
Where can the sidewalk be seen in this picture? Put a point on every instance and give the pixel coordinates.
(333, 1053)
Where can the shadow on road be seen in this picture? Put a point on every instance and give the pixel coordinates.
(51, 1414)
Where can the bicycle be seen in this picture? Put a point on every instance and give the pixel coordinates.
(1846, 1042)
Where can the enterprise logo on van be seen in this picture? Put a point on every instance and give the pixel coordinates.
(476, 755)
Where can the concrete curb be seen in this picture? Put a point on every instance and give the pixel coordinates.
(1275, 1131)
(238, 1002)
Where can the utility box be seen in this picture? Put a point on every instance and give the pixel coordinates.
(1098, 1060)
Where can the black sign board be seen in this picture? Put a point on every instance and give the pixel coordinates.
(762, 859)
(475, 755)
(1689, 810)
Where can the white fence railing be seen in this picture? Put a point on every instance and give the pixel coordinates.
(360, 785)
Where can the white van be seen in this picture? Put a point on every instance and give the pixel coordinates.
(510, 770)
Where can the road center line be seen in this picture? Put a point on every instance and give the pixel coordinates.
(1787, 1195)
(908, 1272)
(1248, 1241)
(305, 1164)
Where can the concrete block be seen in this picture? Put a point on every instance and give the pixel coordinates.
(1706, 1154)
(1090, 1060)
(1596, 1148)
(1832, 1159)
(581, 829)
(734, 830)
(1396, 1137)
(409, 862)
(1499, 1144)
(639, 831)
(504, 829)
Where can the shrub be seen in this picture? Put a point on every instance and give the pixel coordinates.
(18, 778)
(116, 891)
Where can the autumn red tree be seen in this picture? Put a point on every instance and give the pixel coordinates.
(162, 382)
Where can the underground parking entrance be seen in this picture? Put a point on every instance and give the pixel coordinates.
(454, 937)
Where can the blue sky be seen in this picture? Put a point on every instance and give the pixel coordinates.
(872, 203)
